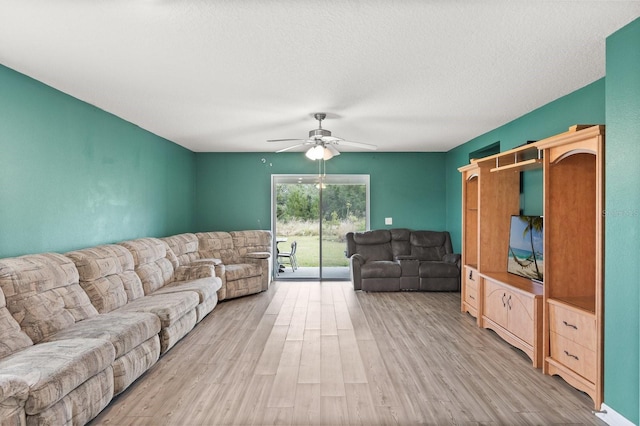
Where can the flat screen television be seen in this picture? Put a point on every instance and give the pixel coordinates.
(525, 247)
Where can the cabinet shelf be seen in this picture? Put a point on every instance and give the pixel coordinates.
(583, 303)
(519, 283)
(520, 166)
(526, 157)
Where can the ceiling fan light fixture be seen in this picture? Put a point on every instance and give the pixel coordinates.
(318, 152)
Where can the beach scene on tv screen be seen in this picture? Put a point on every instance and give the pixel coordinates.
(525, 247)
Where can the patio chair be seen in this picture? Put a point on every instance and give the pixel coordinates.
(289, 256)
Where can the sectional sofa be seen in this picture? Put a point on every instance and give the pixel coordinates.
(79, 328)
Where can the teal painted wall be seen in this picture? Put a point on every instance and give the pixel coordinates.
(584, 106)
(622, 223)
(234, 189)
(73, 176)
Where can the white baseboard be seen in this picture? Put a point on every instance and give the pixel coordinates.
(612, 417)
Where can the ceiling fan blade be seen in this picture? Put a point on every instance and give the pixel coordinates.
(286, 140)
(333, 149)
(357, 145)
(289, 148)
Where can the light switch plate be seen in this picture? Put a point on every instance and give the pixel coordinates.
(388, 221)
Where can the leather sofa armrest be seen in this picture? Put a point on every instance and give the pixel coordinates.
(452, 258)
(13, 395)
(194, 272)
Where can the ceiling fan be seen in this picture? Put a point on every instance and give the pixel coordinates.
(322, 145)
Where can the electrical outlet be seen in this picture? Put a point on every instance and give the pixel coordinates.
(388, 221)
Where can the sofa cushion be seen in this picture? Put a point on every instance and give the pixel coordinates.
(400, 244)
(381, 269)
(375, 251)
(217, 245)
(436, 269)
(184, 247)
(53, 369)
(252, 241)
(12, 338)
(125, 330)
(169, 308)
(428, 245)
(378, 236)
(106, 274)
(373, 245)
(151, 262)
(43, 295)
(205, 288)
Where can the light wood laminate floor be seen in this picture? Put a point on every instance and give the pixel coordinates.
(311, 353)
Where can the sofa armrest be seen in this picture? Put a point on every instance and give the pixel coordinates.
(452, 258)
(194, 272)
(262, 259)
(258, 255)
(13, 395)
(409, 265)
(405, 257)
(355, 264)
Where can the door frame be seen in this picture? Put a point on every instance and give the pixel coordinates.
(332, 179)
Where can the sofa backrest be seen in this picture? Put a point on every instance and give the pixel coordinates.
(152, 262)
(106, 273)
(251, 241)
(400, 245)
(184, 247)
(12, 338)
(217, 245)
(386, 244)
(43, 295)
(430, 245)
(372, 245)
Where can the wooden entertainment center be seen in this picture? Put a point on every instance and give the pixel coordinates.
(558, 324)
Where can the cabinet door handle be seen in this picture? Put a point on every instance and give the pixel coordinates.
(509, 302)
(571, 355)
(570, 325)
(471, 297)
(504, 304)
(471, 275)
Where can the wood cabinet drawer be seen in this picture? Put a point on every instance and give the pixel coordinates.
(575, 356)
(574, 325)
(471, 293)
(471, 275)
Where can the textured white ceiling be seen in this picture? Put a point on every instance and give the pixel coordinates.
(225, 75)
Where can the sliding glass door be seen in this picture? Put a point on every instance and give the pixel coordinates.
(311, 216)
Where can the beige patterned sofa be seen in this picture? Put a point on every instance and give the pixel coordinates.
(242, 259)
(77, 329)
(56, 342)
